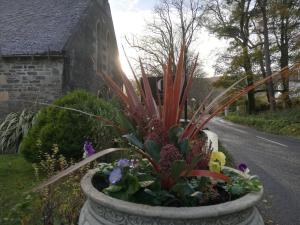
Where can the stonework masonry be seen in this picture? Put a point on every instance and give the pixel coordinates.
(29, 79)
(92, 48)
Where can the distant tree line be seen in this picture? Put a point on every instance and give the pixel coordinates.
(263, 35)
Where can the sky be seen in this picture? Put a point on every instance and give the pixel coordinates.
(129, 18)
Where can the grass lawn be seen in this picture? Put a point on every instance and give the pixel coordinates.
(283, 122)
(16, 177)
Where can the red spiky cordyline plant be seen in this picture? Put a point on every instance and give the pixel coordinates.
(155, 121)
(158, 119)
(174, 95)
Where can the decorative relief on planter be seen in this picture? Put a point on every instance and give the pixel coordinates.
(97, 214)
(100, 209)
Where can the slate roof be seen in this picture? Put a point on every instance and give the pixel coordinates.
(29, 27)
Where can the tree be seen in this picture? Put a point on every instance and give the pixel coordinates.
(270, 87)
(231, 20)
(285, 20)
(175, 22)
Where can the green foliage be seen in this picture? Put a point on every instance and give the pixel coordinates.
(153, 149)
(284, 122)
(70, 129)
(177, 168)
(184, 147)
(14, 127)
(132, 139)
(131, 181)
(241, 184)
(139, 183)
(226, 81)
(56, 204)
(174, 134)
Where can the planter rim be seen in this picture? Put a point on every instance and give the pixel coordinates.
(247, 201)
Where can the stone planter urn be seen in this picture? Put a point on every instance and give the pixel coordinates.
(100, 209)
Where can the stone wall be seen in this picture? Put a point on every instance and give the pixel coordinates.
(92, 48)
(29, 79)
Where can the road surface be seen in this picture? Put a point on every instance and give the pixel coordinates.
(275, 159)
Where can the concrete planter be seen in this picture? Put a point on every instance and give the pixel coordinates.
(100, 209)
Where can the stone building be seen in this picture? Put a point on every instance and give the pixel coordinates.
(48, 47)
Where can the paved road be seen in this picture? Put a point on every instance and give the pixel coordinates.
(275, 159)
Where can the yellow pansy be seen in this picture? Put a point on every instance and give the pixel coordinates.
(217, 161)
(214, 167)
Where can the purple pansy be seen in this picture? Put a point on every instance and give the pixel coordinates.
(88, 148)
(243, 167)
(123, 163)
(115, 175)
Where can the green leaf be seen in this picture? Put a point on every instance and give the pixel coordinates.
(237, 190)
(183, 188)
(112, 188)
(132, 184)
(197, 195)
(147, 183)
(150, 192)
(174, 133)
(125, 122)
(132, 139)
(184, 146)
(153, 149)
(176, 169)
(119, 195)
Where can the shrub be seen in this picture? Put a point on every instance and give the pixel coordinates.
(69, 129)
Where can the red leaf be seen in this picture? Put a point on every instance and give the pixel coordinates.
(188, 86)
(149, 100)
(178, 87)
(168, 95)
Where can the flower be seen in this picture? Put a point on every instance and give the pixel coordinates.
(218, 156)
(88, 149)
(217, 161)
(214, 167)
(243, 167)
(168, 154)
(123, 163)
(115, 175)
